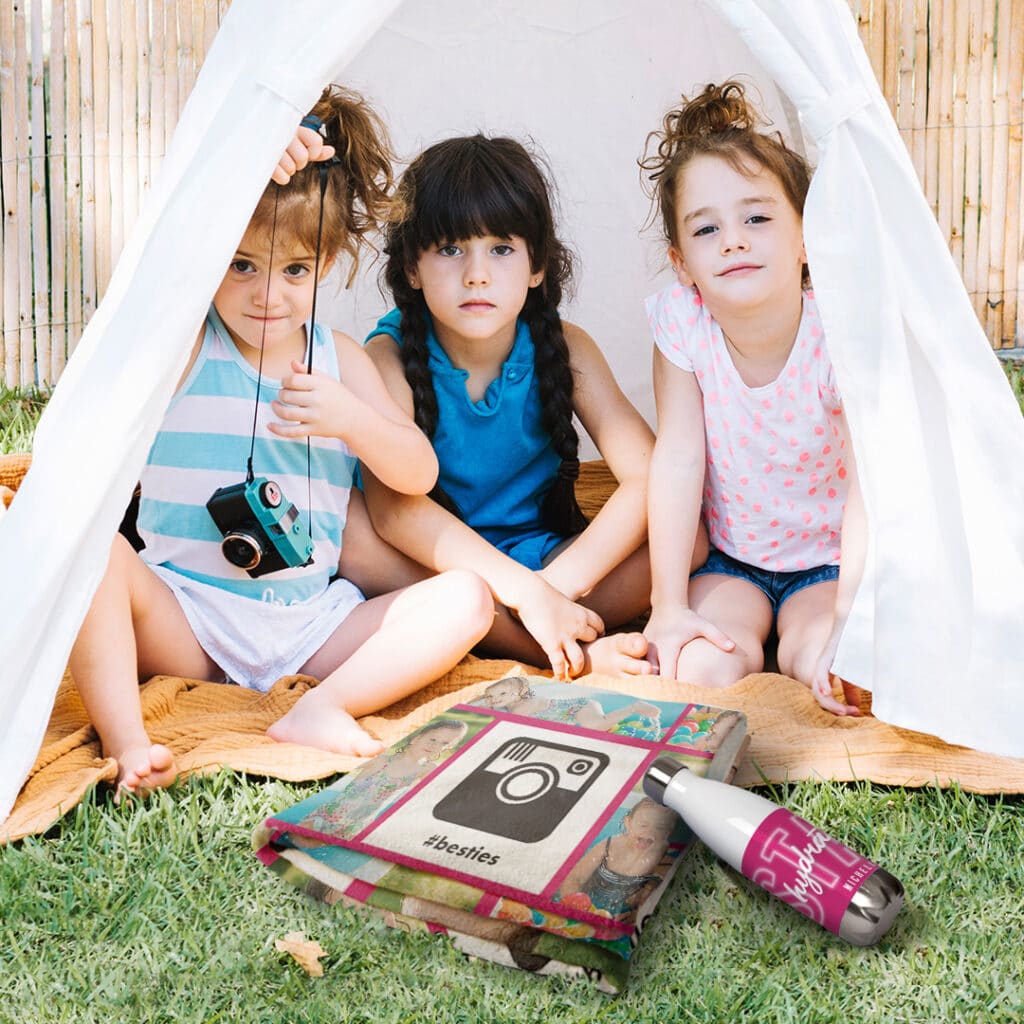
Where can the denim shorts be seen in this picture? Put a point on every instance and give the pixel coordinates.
(776, 586)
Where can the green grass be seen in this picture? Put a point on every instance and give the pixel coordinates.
(19, 411)
(159, 911)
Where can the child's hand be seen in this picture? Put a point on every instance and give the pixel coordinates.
(311, 404)
(307, 147)
(668, 631)
(559, 626)
(821, 681)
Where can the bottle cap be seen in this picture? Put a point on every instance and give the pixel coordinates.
(872, 910)
(661, 772)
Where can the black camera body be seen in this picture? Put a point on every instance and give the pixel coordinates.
(261, 528)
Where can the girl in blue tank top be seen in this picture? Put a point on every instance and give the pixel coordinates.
(476, 351)
(216, 598)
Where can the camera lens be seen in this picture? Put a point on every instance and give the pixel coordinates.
(242, 549)
(526, 783)
(270, 493)
(579, 767)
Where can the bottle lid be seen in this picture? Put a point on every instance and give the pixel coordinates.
(661, 772)
(872, 910)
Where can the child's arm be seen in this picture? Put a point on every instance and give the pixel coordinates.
(359, 410)
(853, 548)
(625, 442)
(674, 500)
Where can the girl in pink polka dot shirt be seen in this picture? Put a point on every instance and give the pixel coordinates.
(751, 433)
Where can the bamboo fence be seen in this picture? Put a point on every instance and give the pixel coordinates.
(90, 92)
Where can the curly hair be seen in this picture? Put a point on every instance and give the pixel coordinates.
(719, 121)
(464, 188)
(359, 183)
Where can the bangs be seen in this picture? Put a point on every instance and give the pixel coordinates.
(468, 195)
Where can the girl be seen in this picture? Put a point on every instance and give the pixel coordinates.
(619, 872)
(751, 432)
(476, 351)
(515, 695)
(369, 792)
(182, 607)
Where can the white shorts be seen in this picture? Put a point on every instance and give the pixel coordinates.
(256, 642)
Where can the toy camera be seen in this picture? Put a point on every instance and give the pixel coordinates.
(261, 528)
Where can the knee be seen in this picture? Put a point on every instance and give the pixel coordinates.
(703, 663)
(468, 600)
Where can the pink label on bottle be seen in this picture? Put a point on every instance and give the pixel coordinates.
(807, 869)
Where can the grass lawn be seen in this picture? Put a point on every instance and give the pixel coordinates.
(158, 911)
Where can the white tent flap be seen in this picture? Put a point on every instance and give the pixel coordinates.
(265, 69)
(938, 436)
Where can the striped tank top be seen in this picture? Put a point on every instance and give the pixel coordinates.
(203, 444)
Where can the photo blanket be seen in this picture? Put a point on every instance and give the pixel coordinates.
(515, 824)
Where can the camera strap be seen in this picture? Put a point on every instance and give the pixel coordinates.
(249, 471)
(249, 474)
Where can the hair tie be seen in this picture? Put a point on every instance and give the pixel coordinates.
(569, 470)
(314, 122)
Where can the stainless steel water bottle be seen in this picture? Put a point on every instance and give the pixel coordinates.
(784, 854)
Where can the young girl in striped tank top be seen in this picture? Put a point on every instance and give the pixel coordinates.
(180, 607)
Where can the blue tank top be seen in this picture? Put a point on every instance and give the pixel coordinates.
(203, 444)
(496, 459)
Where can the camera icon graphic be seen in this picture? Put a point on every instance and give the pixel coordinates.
(523, 790)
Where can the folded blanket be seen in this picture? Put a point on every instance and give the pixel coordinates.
(516, 824)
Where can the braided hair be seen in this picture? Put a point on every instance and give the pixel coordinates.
(465, 188)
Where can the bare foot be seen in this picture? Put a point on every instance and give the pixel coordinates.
(317, 722)
(145, 768)
(618, 654)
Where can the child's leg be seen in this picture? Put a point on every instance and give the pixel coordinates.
(386, 649)
(744, 613)
(370, 562)
(134, 628)
(804, 626)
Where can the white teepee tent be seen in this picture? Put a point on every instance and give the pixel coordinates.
(938, 437)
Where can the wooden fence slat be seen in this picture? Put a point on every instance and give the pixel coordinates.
(57, 158)
(88, 151)
(960, 37)
(984, 129)
(170, 72)
(944, 185)
(9, 193)
(145, 56)
(24, 192)
(129, 148)
(972, 157)
(101, 139)
(903, 76)
(1013, 248)
(921, 151)
(73, 196)
(38, 369)
(990, 265)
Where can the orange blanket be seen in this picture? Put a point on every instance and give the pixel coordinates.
(210, 726)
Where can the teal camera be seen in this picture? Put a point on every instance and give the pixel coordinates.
(261, 528)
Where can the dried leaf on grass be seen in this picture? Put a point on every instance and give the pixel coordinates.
(306, 951)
